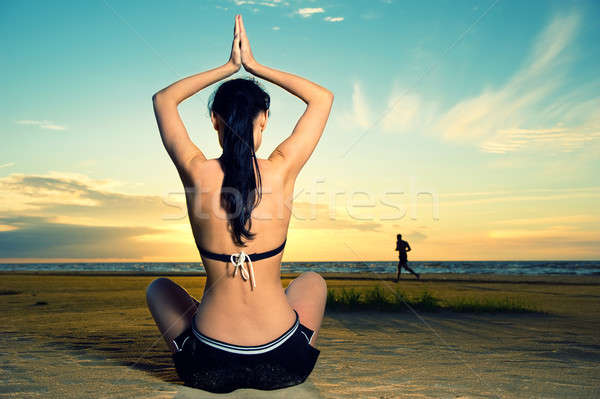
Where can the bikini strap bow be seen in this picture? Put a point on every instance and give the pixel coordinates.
(238, 261)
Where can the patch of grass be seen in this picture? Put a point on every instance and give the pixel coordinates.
(372, 298)
(426, 301)
(330, 296)
(350, 297)
(399, 296)
(377, 298)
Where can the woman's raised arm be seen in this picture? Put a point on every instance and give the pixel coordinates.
(174, 135)
(294, 151)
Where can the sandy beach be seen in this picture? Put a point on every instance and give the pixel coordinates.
(90, 335)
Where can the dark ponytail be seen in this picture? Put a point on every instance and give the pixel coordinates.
(237, 103)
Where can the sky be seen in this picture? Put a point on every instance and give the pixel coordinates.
(472, 128)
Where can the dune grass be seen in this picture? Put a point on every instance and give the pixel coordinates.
(376, 298)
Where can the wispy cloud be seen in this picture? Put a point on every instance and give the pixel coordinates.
(359, 114)
(592, 189)
(359, 106)
(404, 111)
(270, 3)
(560, 232)
(276, 28)
(266, 3)
(48, 125)
(64, 215)
(550, 220)
(531, 109)
(7, 165)
(333, 19)
(540, 243)
(307, 12)
(69, 194)
(319, 216)
(523, 198)
(41, 237)
(415, 236)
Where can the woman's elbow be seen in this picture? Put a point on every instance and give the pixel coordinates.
(161, 99)
(325, 96)
(158, 96)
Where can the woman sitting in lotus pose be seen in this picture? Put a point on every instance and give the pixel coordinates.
(247, 331)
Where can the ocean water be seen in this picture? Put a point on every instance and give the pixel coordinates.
(460, 267)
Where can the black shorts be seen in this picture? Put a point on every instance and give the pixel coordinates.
(216, 366)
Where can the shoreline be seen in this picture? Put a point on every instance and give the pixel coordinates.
(551, 279)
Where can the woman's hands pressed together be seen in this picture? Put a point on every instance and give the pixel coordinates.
(236, 57)
(241, 53)
(248, 60)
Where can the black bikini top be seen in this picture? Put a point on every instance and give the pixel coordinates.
(238, 260)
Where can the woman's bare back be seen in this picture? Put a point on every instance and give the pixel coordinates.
(231, 310)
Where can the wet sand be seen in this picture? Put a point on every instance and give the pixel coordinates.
(91, 335)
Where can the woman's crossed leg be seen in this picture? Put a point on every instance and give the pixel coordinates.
(307, 293)
(172, 308)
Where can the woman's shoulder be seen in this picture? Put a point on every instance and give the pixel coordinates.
(207, 167)
(215, 164)
(210, 170)
(270, 170)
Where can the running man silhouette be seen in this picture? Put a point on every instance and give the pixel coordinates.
(403, 247)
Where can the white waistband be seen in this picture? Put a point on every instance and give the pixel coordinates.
(247, 350)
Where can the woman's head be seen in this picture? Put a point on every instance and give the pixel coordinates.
(237, 104)
(239, 110)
